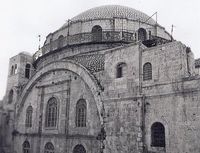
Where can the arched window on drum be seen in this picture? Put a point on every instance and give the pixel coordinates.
(142, 34)
(60, 41)
(96, 33)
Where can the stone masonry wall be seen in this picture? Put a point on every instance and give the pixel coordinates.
(121, 101)
(176, 106)
(169, 62)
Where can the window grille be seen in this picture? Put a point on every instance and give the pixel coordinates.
(51, 113)
(147, 71)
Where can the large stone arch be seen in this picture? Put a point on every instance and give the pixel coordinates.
(69, 65)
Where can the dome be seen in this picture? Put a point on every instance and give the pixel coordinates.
(113, 11)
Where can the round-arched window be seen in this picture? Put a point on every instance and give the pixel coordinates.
(10, 96)
(81, 110)
(142, 34)
(27, 71)
(51, 113)
(157, 135)
(147, 71)
(97, 33)
(60, 41)
(49, 148)
(29, 111)
(79, 149)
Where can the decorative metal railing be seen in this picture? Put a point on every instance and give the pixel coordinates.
(83, 38)
(100, 37)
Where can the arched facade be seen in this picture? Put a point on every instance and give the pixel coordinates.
(65, 98)
(64, 65)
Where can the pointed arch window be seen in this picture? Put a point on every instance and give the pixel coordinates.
(97, 33)
(81, 113)
(26, 147)
(51, 113)
(157, 135)
(49, 148)
(10, 96)
(27, 71)
(29, 112)
(147, 71)
(79, 149)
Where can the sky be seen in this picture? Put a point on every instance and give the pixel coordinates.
(23, 20)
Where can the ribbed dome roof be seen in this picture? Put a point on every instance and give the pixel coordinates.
(110, 11)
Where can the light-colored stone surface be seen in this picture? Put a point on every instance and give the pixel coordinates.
(126, 107)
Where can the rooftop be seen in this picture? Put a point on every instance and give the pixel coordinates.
(112, 11)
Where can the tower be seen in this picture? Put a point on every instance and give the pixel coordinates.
(20, 71)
